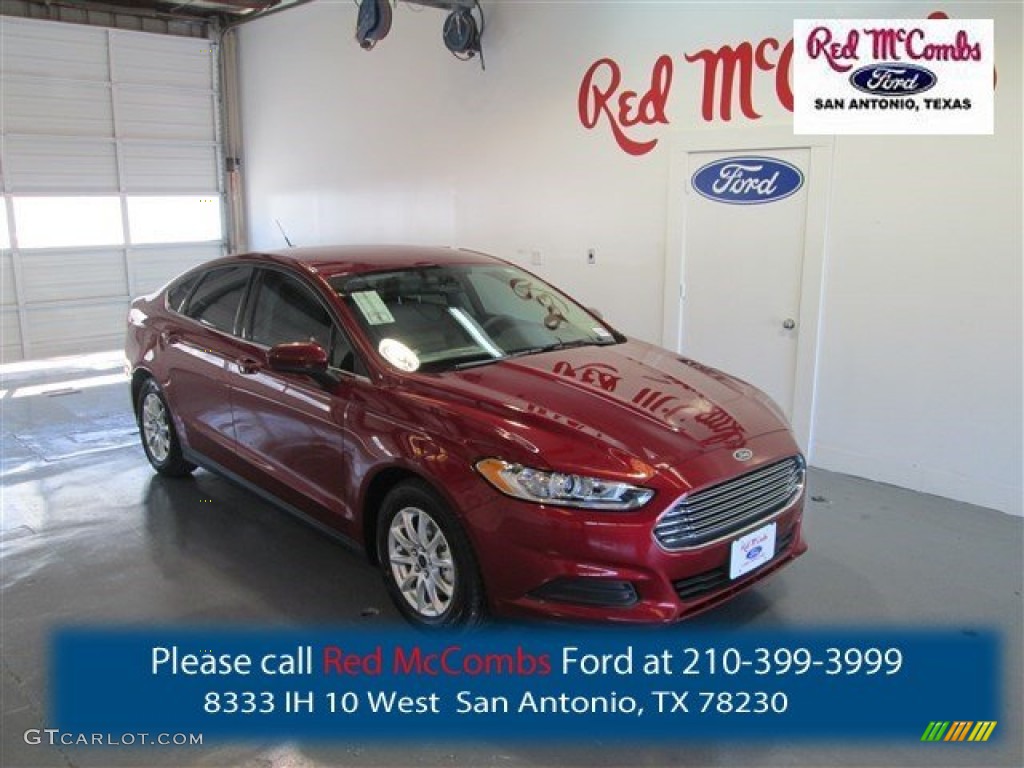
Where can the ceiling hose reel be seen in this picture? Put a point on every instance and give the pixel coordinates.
(373, 22)
(461, 33)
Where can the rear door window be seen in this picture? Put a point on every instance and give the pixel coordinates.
(216, 299)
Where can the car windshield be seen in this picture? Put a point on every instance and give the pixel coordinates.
(456, 316)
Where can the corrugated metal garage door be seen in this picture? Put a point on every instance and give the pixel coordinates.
(111, 178)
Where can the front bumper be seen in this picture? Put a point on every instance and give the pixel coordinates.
(575, 564)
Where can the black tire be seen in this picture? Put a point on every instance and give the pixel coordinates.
(159, 437)
(433, 586)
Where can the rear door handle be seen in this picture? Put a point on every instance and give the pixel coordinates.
(248, 366)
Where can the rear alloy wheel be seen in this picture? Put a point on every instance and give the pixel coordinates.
(159, 439)
(427, 560)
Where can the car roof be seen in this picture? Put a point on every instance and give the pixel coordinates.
(331, 261)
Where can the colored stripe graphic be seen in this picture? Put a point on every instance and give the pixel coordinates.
(959, 730)
(982, 730)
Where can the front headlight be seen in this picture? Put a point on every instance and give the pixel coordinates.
(562, 489)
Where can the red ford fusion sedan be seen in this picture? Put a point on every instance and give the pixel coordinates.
(491, 444)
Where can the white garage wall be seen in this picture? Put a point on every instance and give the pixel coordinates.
(919, 374)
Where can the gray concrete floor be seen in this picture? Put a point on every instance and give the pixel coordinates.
(89, 535)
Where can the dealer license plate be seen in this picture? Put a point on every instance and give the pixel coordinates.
(752, 551)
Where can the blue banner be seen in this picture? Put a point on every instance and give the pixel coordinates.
(356, 685)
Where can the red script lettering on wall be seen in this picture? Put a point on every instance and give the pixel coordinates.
(735, 66)
(728, 74)
(626, 109)
(728, 81)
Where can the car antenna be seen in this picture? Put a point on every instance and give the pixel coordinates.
(284, 234)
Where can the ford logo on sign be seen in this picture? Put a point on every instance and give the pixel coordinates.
(893, 79)
(753, 554)
(747, 180)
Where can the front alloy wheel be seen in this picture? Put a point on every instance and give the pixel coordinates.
(429, 566)
(421, 562)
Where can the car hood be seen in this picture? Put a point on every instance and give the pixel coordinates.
(635, 399)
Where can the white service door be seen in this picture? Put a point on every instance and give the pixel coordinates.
(742, 271)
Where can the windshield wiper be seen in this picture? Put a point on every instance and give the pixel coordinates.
(474, 363)
(532, 351)
(555, 347)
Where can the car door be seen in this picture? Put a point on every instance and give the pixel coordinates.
(290, 429)
(197, 349)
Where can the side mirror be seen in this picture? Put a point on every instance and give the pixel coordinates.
(306, 357)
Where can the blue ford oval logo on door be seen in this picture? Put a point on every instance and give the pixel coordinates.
(747, 180)
(893, 79)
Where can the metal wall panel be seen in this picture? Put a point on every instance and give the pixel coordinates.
(92, 111)
(8, 296)
(163, 60)
(10, 336)
(65, 275)
(72, 328)
(57, 107)
(60, 166)
(54, 50)
(164, 113)
(150, 168)
(151, 267)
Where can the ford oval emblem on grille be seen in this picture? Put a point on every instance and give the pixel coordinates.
(747, 180)
(893, 79)
(743, 454)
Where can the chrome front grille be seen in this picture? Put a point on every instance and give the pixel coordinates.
(722, 509)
